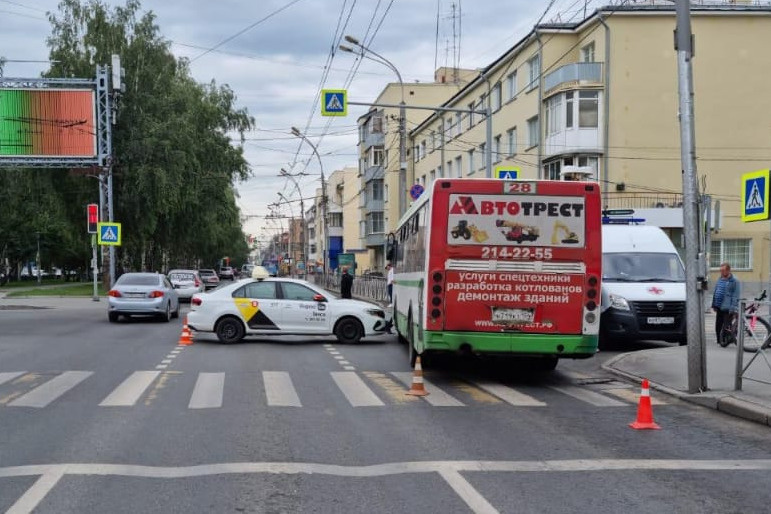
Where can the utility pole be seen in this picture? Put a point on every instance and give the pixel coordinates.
(695, 258)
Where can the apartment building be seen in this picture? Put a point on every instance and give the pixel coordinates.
(379, 149)
(598, 99)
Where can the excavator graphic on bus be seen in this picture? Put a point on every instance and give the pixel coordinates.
(514, 231)
(568, 237)
(466, 231)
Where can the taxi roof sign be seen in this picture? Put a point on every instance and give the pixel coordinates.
(334, 102)
(755, 187)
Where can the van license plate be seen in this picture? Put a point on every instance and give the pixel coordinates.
(661, 321)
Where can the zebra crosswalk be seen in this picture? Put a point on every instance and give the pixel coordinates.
(358, 389)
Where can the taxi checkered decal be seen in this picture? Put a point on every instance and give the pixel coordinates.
(255, 318)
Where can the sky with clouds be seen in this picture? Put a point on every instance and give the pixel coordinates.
(280, 53)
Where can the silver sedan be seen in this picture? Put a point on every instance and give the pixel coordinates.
(143, 294)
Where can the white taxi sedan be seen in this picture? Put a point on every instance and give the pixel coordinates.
(282, 306)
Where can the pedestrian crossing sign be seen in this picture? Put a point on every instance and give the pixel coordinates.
(755, 187)
(507, 172)
(109, 234)
(334, 102)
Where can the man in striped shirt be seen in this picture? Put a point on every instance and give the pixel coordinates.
(725, 299)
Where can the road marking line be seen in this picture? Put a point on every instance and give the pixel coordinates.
(175, 352)
(50, 473)
(509, 395)
(349, 368)
(334, 352)
(161, 366)
(166, 361)
(339, 357)
(436, 396)
(588, 396)
(8, 376)
(344, 363)
(35, 494)
(355, 390)
(131, 389)
(392, 387)
(208, 391)
(632, 396)
(280, 390)
(461, 486)
(51, 390)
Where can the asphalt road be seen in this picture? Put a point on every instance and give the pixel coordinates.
(99, 417)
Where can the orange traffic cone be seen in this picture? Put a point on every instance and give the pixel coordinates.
(186, 338)
(417, 388)
(644, 410)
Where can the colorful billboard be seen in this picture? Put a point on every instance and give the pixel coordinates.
(47, 123)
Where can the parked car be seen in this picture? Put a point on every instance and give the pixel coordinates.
(226, 272)
(186, 282)
(142, 294)
(209, 277)
(282, 306)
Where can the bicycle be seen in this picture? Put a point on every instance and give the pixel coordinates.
(757, 333)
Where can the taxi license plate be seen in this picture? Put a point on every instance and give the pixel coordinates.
(661, 321)
(501, 315)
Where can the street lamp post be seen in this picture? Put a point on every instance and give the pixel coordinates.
(402, 116)
(325, 227)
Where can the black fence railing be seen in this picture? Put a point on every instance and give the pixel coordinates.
(642, 200)
(368, 287)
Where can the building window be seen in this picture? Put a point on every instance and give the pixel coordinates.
(375, 222)
(736, 252)
(511, 85)
(482, 148)
(377, 157)
(431, 176)
(569, 109)
(433, 140)
(585, 160)
(335, 219)
(423, 151)
(532, 131)
(439, 172)
(471, 107)
(481, 107)
(553, 113)
(312, 248)
(470, 159)
(449, 169)
(497, 154)
(459, 166)
(511, 135)
(587, 53)
(588, 113)
(534, 75)
(551, 170)
(377, 124)
(377, 190)
(459, 122)
(496, 98)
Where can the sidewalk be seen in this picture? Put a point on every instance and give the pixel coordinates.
(667, 370)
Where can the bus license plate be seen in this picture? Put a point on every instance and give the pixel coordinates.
(502, 315)
(661, 321)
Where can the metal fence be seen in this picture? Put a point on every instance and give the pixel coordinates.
(371, 288)
(760, 354)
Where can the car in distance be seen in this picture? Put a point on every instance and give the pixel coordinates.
(209, 277)
(142, 294)
(226, 272)
(282, 306)
(186, 282)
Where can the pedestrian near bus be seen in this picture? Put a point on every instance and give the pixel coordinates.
(390, 283)
(346, 284)
(725, 299)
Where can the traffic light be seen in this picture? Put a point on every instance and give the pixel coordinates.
(93, 217)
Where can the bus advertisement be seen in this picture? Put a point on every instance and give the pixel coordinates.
(488, 266)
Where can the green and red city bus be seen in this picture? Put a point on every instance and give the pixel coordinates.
(500, 267)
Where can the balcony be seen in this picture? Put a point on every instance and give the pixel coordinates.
(376, 239)
(584, 73)
(617, 200)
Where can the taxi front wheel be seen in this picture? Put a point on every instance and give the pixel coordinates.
(229, 330)
(349, 331)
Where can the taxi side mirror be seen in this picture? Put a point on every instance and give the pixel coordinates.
(319, 298)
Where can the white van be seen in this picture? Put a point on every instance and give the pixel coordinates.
(643, 286)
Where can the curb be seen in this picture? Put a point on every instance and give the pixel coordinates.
(720, 401)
